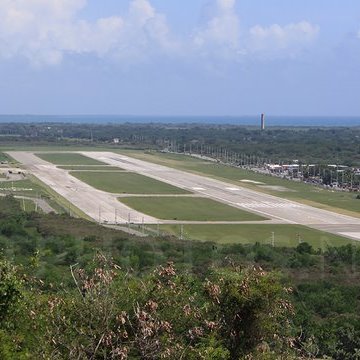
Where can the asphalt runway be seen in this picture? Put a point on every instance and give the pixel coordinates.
(282, 210)
(105, 207)
(98, 205)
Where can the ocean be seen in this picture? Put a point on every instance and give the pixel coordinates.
(275, 121)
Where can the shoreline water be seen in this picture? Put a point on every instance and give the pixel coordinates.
(271, 121)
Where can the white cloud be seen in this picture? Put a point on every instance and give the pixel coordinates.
(141, 11)
(221, 36)
(226, 5)
(277, 39)
(31, 28)
(145, 32)
(222, 29)
(45, 31)
(83, 37)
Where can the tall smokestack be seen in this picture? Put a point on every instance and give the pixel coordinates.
(262, 122)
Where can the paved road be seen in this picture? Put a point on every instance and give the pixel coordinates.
(283, 210)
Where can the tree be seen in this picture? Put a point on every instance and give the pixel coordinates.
(10, 291)
(166, 315)
(253, 311)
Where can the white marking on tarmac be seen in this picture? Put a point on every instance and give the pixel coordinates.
(198, 188)
(233, 189)
(268, 205)
(252, 182)
(351, 234)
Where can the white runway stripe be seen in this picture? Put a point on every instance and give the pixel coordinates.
(351, 234)
(268, 205)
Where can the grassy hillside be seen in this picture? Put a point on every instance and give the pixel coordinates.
(321, 284)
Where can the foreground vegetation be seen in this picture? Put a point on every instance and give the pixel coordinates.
(72, 289)
(111, 315)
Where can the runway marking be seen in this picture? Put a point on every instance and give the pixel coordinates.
(198, 188)
(252, 182)
(233, 189)
(268, 205)
(351, 234)
(15, 189)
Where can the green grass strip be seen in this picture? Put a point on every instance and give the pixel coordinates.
(188, 209)
(68, 159)
(126, 183)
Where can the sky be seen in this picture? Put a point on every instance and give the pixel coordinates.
(180, 57)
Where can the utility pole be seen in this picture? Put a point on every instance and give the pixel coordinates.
(181, 232)
(299, 238)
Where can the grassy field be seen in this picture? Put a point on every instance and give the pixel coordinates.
(68, 159)
(188, 208)
(336, 201)
(38, 189)
(90, 167)
(284, 235)
(127, 183)
(21, 187)
(5, 158)
(28, 205)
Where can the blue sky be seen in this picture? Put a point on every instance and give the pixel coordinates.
(172, 57)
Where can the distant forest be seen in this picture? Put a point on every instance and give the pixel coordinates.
(322, 145)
